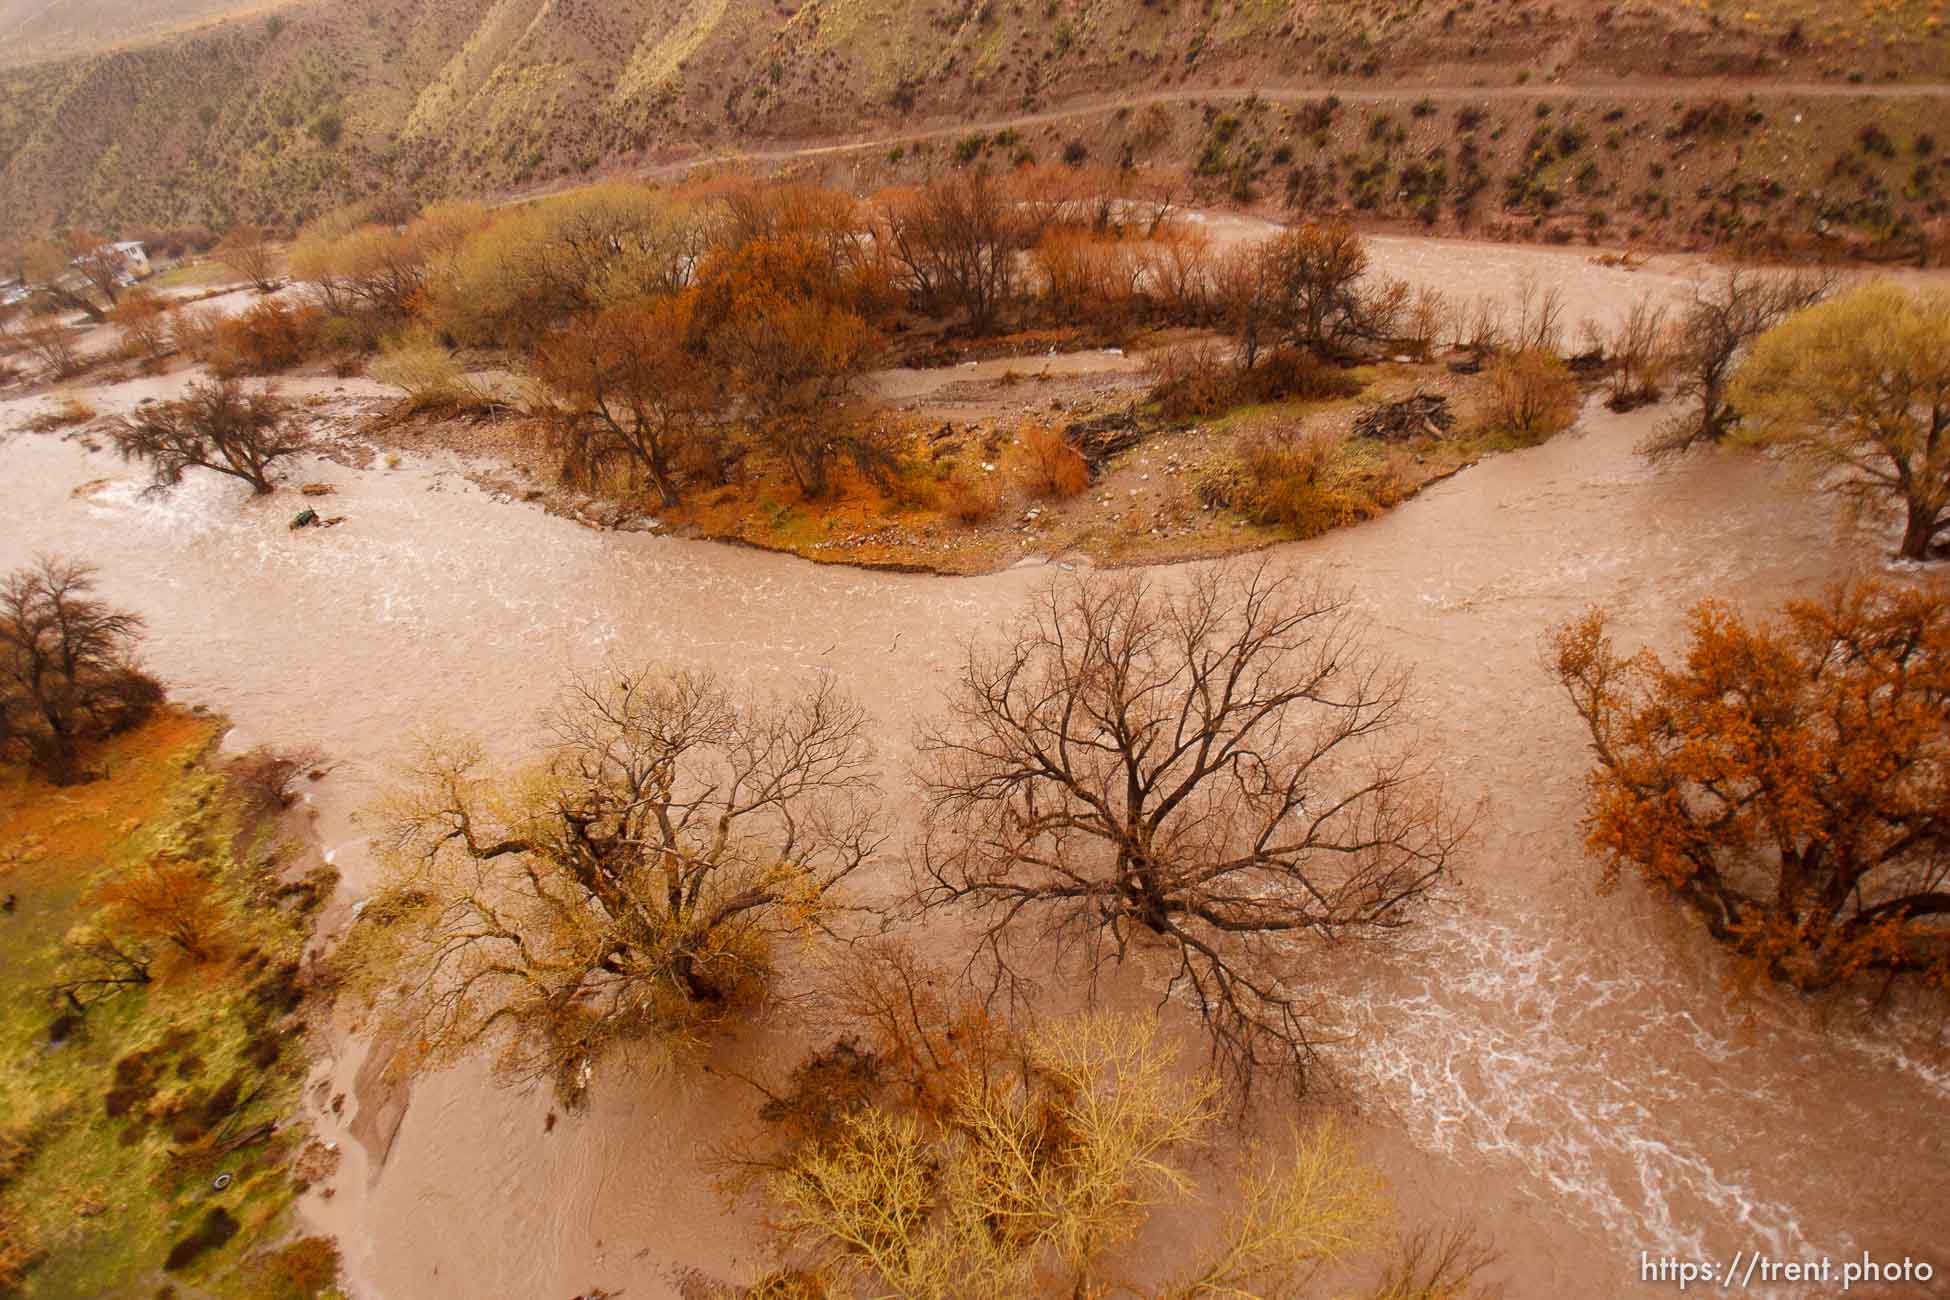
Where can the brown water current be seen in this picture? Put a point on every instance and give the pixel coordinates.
(1562, 1067)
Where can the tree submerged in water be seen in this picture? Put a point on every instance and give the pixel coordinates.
(1858, 388)
(1790, 785)
(627, 890)
(939, 1151)
(1225, 775)
(217, 425)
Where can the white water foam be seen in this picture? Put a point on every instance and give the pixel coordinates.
(1523, 1045)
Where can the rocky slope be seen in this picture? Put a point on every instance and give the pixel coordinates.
(272, 117)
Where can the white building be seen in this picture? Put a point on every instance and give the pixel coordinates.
(133, 255)
(136, 255)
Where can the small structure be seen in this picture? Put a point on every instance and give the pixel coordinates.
(136, 255)
(132, 256)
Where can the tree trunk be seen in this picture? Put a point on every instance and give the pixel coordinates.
(58, 754)
(81, 303)
(1918, 532)
(808, 463)
(698, 989)
(660, 479)
(1141, 888)
(58, 761)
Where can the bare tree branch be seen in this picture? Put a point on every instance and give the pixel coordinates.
(1215, 768)
(632, 887)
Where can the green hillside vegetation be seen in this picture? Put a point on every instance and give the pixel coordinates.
(145, 1134)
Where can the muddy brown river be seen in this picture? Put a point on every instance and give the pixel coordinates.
(1562, 1068)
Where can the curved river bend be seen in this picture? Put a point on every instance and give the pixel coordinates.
(1560, 1066)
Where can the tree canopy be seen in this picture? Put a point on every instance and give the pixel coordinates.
(1789, 784)
(67, 667)
(1225, 770)
(1859, 386)
(216, 425)
(628, 888)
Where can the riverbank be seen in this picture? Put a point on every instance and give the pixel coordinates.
(1564, 1065)
(152, 1129)
(970, 496)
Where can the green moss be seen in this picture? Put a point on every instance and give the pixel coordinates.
(122, 1126)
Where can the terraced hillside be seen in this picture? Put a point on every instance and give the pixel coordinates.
(1688, 121)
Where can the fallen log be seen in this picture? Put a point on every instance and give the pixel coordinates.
(248, 1137)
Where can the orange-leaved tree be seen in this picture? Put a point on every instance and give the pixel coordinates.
(173, 902)
(773, 314)
(630, 385)
(1790, 784)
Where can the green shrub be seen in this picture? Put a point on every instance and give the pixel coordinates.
(425, 373)
(216, 1228)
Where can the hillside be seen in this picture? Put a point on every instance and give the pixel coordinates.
(1443, 107)
(33, 30)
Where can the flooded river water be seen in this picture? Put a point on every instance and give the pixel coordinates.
(1561, 1067)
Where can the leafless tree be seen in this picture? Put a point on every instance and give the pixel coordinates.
(47, 267)
(1218, 770)
(216, 425)
(1243, 296)
(1539, 321)
(629, 890)
(53, 344)
(1720, 319)
(1440, 1264)
(67, 670)
(95, 966)
(1320, 289)
(1478, 325)
(1637, 351)
(247, 250)
(956, 245)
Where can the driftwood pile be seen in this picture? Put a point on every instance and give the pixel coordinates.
(1103, 437)
(1412, 417)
